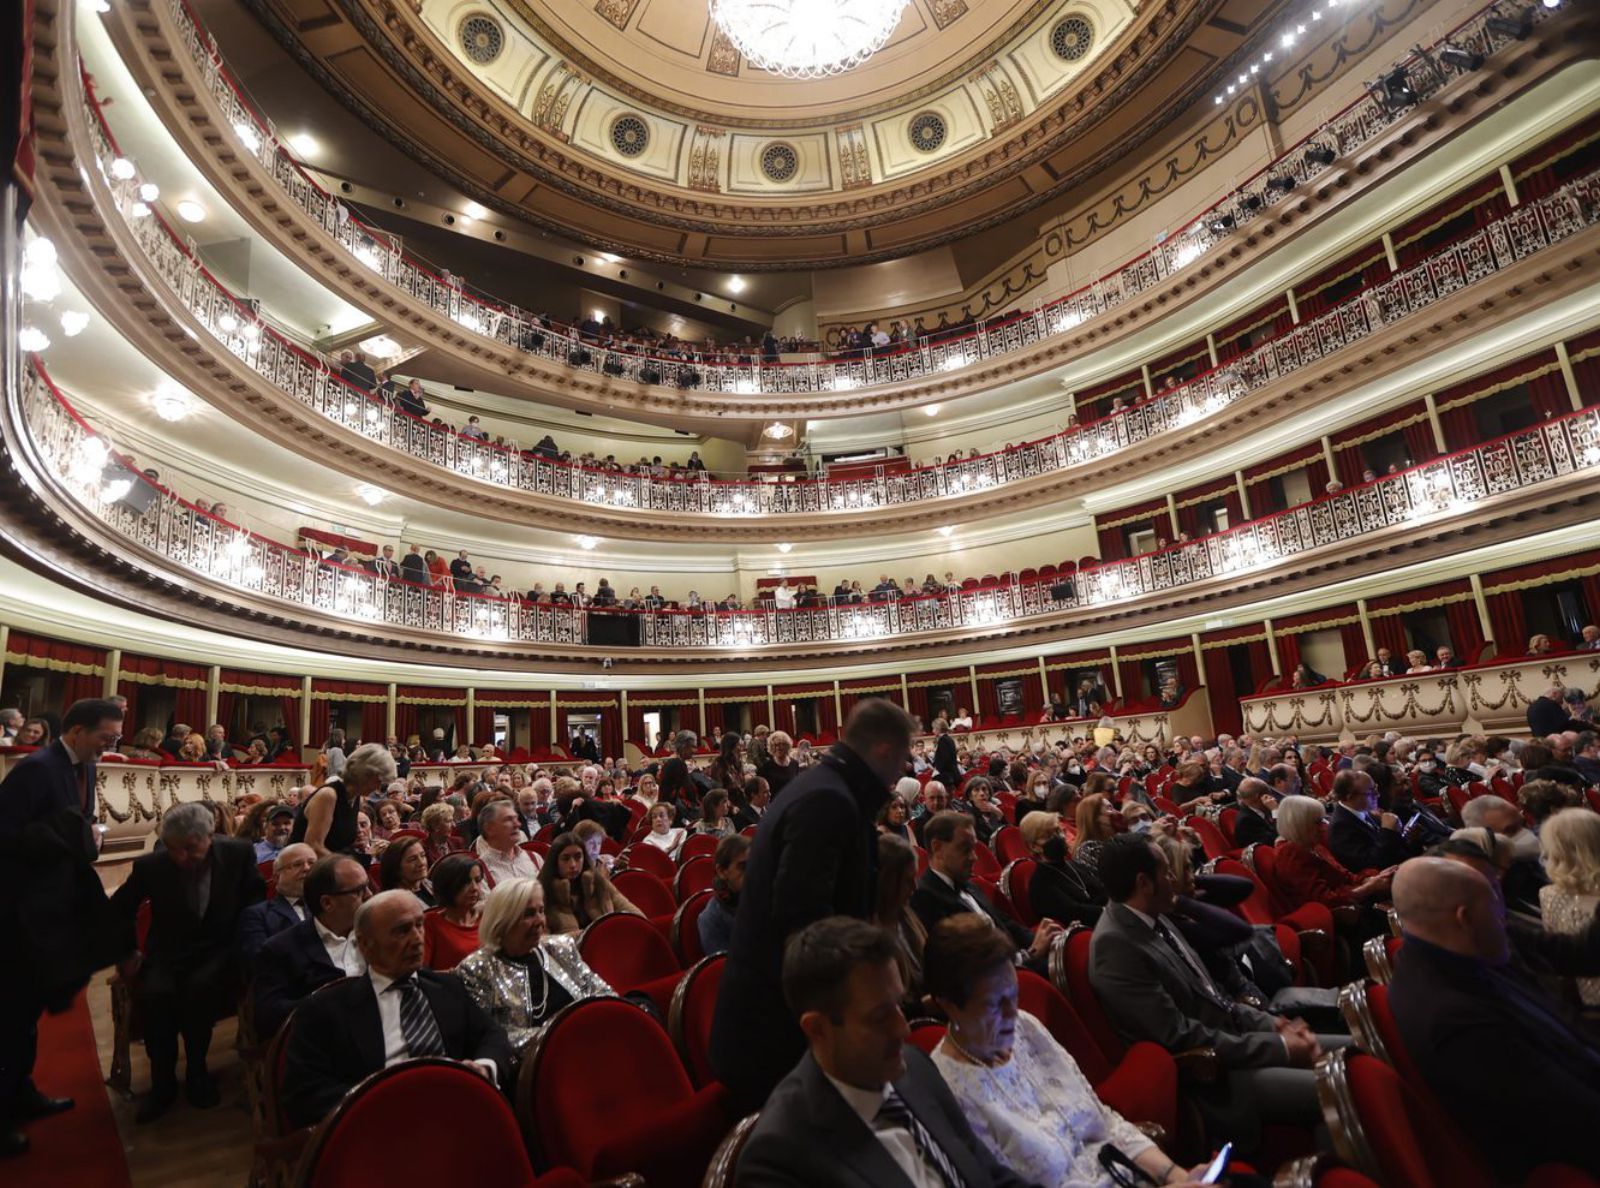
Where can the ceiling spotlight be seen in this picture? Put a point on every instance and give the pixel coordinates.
(474, 211)
(945, 530)
(586, 542)
(1319, 154)
(191, 211)
(777, 431)
(122, 169)
(1518, 26)
(1394, 90)
(380, 345)
(149, 191)
(1249, 202)
(304, 144)
(736, 284)
(171, 402)
(74, 322)
(1460, 59)
(784, 546)
(370, 495)
(1220, 225)
(32, 339)
(248, 136)
(930, 410)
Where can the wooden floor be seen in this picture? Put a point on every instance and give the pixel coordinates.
(188, 1148)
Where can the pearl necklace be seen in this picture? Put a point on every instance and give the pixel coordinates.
(536, 1011)
(995, 1062)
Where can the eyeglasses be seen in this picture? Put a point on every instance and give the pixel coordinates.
(1123, 1170)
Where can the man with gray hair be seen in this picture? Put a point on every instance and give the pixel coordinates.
(198, 886)
(11, 720)
(498, 844)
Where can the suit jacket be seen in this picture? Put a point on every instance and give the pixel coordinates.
(946, 765)
(1547, 717)
(41, 785)
(1362, 845)
(1450, 1011)
(177, 936)
(1251, 828)
(288, 968)
(1149, 993)
(337, 1041)
(815, 855)
(259, 924)
(810, 1137)
(935, 900)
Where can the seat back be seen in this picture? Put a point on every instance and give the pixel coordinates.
(1257, 907)
(698, 844)
(986, 865)
(645, 857)
(926, 1035)
(695, 875)
(568, 1119)
(1216, 846)
(1266, 865)
(1009, 846)
(694, 1003)
(1074, 971)
(1046, 1004)
(1015, 882)
(627, 951)
(685, 931)
(725, 1161)
(476, 1140)
(645, 891)
(1225, 822)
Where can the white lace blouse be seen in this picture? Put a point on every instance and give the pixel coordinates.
(1038, 1113)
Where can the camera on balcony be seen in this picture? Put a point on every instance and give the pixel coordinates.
(579, 357)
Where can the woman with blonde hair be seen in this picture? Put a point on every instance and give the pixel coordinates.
(1061, 889)
(1096, 825)
(1540, 645)
(1570, 843)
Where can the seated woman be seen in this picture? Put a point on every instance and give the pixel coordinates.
(962, 720)
(147, 745)
(450, 932)
(1540, 645)
(519, 974)
(404, 867)
(664, 835)
(1023, 1094)
(716, 814)
(716, 920)
(391, 816)
(1060, 889)
(593, 836)
(1096, 825)
(439, 819)
(577, 890)
(987, 816)
(1417, 661)
(1306, 677)
(1570, 842)
(891, 911)
(646, 791)
(892, 817)
(35, 732)
(1306, 872)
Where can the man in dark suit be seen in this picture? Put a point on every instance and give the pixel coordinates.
(945, 889)
(862, 1106)
(461, 572)
(319, 950)
(946, 760)
(1362, 836)
(1254, 824)
(414, 567)
(397, 1011)
(1390, 665)
(385, 566)
(815, 855)
(1154, 986)
(1547, 713)
(263, 921)
(1456, 995)
(198, 886)
(50, 899)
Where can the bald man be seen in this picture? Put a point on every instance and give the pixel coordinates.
(1493, 1047)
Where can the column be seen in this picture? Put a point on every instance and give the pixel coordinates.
(1144, 373)
(1568, 377)
(1244, 494)
(905, 694)
(1172, 514)
(5, 640)
(1294, 307)
(1366, 627)
(1272, 648)
(1044, 681)
(1389, 254)
(1116, 673)
(1327, 456)
(472, 717)
(1482, 606)
(1199, 657)
(772, 710)
(1435, 424)
(392, 711)
(305, 712)
(1211, 349)
(1510, 183)
(555, 729)
(838, 705)
(213, 680)
(623, 708)
(700, 696)
(108, 685)
(972, 683)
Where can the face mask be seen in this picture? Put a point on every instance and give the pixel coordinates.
(1427, 765)
(1142, 825)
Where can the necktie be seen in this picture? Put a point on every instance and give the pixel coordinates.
(417, 1024)
(895, 1112)
(1176, 943)
(85, 805)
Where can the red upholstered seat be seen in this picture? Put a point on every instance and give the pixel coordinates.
(646, 892)
(698, 844)
(1014, 883)
(1225, 822)
(685, 934)
(922, 861)
(651, 1120)
(1002, 903)
(627, 951)
(1009, 846)
(642, 856)
(926, 1035)
(689, 1019)
(1075, 959)
(986, 866)
(694, 876)
(1211, 838)
(472, 1135)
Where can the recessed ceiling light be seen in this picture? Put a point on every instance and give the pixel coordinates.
(370, 495)
(304, 144)
(736, 284)
(945, 530)
(585, 542)
(473, 211)
(31, 338)
(931, 410)
(380, 345)
(784, 546)
(191, 211)
(149, 191)
(122, 169)
(599, 315)
(74, 322)
(778, 431)
(171, 402)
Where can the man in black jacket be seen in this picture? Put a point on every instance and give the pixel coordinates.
(198, 885)
(862, 1106)
(815, 855)
(946, 890)
(317, 951)
(263, 921)
(1254, 824)
(1361, 836)
(47, 842)
(946, 759)
(397, 1011)
(1456, 996)
(1547, 713)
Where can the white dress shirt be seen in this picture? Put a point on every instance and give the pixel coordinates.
(519, 864)
(896, 1140)
(972, 904)
(394, 1039)
(342, 951)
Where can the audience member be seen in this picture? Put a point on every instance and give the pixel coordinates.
(499, 845)
(664, 835)
(316, 951)
(404, 867)
(1306, 872)
(716, 918)
(451, 932)
(1570, 843)
(577, 890)
(326, 820)
(779, 767)
(946, 889)
(263, 921)
(1360, 835)
(1255, 822)
(891, 911)
(1061, 888)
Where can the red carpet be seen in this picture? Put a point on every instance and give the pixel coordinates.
(80, 1147)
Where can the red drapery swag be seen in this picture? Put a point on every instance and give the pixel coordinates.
(1187, 361)
(1337, 283)
(1255, 327)
(827, 719)
(1348, 445)
(414, 702)
(1508, 611)
(1545, 169)
(1059, 668)
(1467, 211)
(510, 701)
(1286, 632)
(1547, 395)
(1095, 402)
(1114, 527)
(1223, 692)
(851, 692)
(1132, 669)
(285, 688)
(1461, 617)
(36, 651)
(321, 707)
(610, 738)
(918, 704)
(1584, 354)
(189, 707)
(1257, 478)
(1226, 491)
(989, 678)
(719, 701)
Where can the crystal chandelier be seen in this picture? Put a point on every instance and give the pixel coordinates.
(807, 38)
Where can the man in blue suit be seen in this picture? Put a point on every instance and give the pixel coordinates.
(322, 949)
(48, 908)
(263, 921)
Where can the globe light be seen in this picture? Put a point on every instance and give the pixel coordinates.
(807, 38)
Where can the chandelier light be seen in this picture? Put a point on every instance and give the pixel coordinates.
(807, 38)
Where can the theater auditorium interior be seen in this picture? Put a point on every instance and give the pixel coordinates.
(770, 593)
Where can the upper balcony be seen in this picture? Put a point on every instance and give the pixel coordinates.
(497, 345)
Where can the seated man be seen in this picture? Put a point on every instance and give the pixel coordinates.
(1154, 986)
(320, 950)
(263, 921)
(198, 886)
(1456, 991)
(861, 1106)
(945, 889)
(1254, 824)
(499, 844)
(398, 1011)
(1360, 835)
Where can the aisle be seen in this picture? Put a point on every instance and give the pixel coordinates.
(82, 1146)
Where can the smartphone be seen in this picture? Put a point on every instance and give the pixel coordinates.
(1219, 1165)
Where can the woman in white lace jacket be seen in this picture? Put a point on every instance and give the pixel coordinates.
(1022, 1093)
(520, 975)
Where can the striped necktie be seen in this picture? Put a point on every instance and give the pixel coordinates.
(894, 1112)
(417, 1024)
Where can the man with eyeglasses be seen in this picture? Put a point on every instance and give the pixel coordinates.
(316, 951)
(53, 909)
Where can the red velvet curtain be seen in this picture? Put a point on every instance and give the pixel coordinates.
(287, 689)
(1584, 352)
(1258, 477)
(1416, 239)
(1189, 517)
(482, 725)
(1263, 322)
(1420, 445)
(1466, 632)
(322, 707)
(1355, 645)
(850, 694)
(189, 704)
(1546, 168)
(1509, 621)
(1389, 632)
(38, 651)
(1547, 394)
(1226, 716)
(1365, 266)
